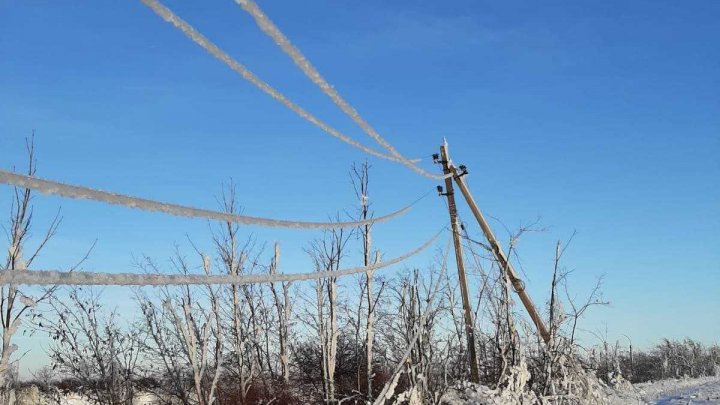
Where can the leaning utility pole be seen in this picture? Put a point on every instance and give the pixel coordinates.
(503, 262)
(455, 225)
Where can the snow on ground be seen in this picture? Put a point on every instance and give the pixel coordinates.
(687, 391)
(695, 391)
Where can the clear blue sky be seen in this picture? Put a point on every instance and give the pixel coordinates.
(600, 117)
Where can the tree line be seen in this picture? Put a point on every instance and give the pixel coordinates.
(365, 339)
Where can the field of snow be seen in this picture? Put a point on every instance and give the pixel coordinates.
(691, 391)
(705, 390)
(697, 391)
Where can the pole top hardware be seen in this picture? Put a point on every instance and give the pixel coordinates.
(440, 191)
(436, 159)
(461, 171)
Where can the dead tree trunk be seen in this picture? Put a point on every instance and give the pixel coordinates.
(327, 254)
(360, 179)
(283, 308)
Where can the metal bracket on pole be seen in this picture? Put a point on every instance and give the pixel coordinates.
(441, 193)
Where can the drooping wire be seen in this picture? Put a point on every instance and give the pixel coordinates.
(167, 14)
(80, 192)
(52, 277)
(269, 28)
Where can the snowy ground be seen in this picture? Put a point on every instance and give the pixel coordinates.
(687, 391)
(691, 391)
(698, 391)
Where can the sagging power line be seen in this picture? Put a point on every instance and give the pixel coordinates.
(80, 192)
(269, 28)
(52, 277)
(236, 66)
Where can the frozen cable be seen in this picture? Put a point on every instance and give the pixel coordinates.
(267, 26)
(221, 55)
(67, 190)
(51, 277)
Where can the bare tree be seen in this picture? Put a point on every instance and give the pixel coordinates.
(283, 306)
(91, 347)
(185, 333)
(239, 306)
(327, 253)
(418, 348)
(14, 303)
(360, 178)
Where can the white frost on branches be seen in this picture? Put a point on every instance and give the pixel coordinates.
(389, 388)
(27, 301)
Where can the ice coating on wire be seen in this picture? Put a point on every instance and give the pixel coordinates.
(267, 26)
(52, 277)
(236, 66)
(67, 190)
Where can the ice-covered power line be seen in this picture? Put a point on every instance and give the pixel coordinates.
(236, 66)
(79, 192)
(51, 277)
(267, 26)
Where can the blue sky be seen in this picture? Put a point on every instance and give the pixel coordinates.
(600, 117)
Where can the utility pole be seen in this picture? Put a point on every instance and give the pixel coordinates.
(503, 262)
(459, 258)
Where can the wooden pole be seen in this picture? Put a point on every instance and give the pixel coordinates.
(455, 225)
(504, 263)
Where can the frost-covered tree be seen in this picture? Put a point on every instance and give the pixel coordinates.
(282, 301)
(91, 347)
(17, 304)
(234, 258)
(327, 254)
(186, 335)
(360, 178)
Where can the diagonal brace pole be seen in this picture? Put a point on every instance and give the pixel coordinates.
(504, 263)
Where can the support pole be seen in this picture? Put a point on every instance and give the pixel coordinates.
(504, 263)
(455, 224)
